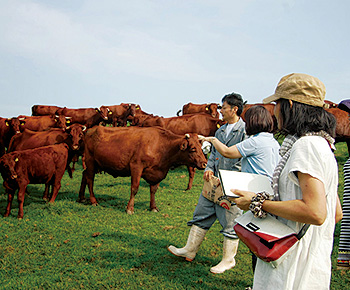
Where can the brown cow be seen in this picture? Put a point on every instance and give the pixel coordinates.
(119, 114)
(73, 136)
(209, 108)
(137, 152)
(201, 123)
(42, 123)
(42, 110)
(342, 130)
(8, 128)
(83, 115)
(44, 165)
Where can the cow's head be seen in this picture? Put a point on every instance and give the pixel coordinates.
(213, 110)
(192, 147)
(8, 165)
(62, 121)
(104, 112)
(76, 133)
(15, 124)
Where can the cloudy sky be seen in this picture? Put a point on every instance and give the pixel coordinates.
(162, 54)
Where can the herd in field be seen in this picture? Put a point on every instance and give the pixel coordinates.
(121, 140)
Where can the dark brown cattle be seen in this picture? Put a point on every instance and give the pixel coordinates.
(119, 114)
(201, 123)
(137, 152)
(210, 108)
(42, 110)
(8, 128)
(42, 123)
(44, 165)
(73, 136)
(83, 116)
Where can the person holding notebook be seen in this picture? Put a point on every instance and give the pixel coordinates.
(260, 152)
(305, 184)
(206, 211)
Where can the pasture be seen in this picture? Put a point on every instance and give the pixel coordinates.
(68, 245)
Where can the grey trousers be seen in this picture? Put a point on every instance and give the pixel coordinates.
(206, 213)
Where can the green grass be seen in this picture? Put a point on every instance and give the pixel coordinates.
(68, 245)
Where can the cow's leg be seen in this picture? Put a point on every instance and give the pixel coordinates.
(20, 198)
(82, 187)
(10, 194)
(135, 183)
(87, 179)
(152, 205)
(191, 172)
(56, 187)
(46, 192)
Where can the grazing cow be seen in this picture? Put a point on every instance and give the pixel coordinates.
(44, 165)
(201, 123)
(8, 128)
(137, 152)
(42, 123)
(119, 114)
(83, 116)
(210, 108)
(73, 136)
(42, 110)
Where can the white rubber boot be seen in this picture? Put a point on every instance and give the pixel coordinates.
(228, 258)
(195, 238)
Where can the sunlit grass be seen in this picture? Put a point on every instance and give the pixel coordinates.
(68, 245)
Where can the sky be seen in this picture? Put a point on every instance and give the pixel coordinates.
(162, 54)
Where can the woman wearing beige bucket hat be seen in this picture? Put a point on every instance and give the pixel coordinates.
(305, 186)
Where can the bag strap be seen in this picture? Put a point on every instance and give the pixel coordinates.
(302, 231)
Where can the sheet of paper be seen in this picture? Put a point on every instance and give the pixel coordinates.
(243, 181)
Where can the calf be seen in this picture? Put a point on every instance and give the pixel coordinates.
(44, 165)
(137, 152)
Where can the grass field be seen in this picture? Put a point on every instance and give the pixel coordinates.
(68, 245)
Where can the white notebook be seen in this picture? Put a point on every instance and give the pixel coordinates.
(243, 181)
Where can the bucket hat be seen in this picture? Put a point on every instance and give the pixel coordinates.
(301, 88)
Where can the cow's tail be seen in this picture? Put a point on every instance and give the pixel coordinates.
(178, 112)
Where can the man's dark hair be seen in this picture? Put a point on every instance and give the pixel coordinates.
(258, 119)
(301, 118)
(234, 99)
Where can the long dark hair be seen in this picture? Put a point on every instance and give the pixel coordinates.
(299, 119)
(258, 119)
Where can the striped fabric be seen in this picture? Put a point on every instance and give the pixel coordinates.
(344, 241)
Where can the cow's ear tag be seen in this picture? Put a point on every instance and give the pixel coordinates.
(206, 109)
(16, 160)
(218, 126)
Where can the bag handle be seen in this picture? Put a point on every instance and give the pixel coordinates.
(302, 231)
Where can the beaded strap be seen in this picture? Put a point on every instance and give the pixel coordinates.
(257, 202)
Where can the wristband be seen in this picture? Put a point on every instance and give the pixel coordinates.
(257, 202)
